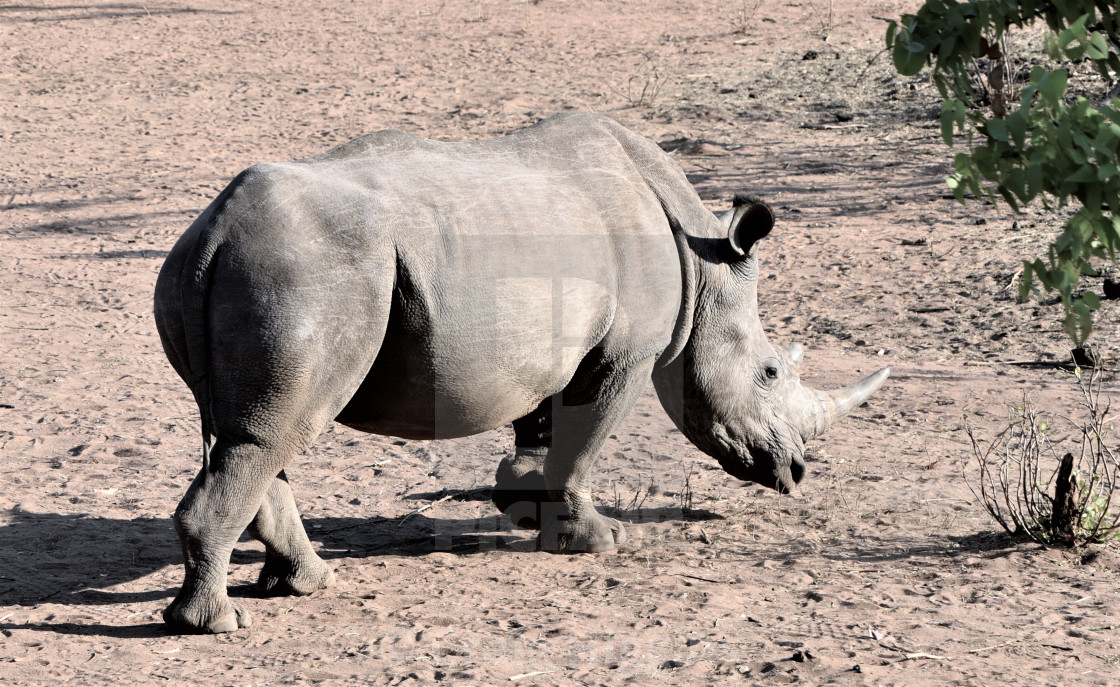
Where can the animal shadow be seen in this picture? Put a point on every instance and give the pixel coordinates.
(84, 561)
(77, 559)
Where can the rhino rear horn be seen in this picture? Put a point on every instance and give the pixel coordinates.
(796, 353)
(751, 220)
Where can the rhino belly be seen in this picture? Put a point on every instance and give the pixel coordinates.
(412, 409)
(479, 367)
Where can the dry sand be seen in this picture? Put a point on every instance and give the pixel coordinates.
(120, 121)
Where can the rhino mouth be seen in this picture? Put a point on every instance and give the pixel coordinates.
(759, 466)
(789, 476)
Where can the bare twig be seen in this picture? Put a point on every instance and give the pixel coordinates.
(421, 509)
(996, 646)
(521, 676)
(697, 577)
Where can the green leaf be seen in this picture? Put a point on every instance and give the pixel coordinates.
(1052, 85)
(1064, 38)
(1085, 327)
(1009, 198)
(1097, 47)
(997, 129)
(1034, 180)
(1017, 126)
(1078, 26)
(907, 63)
(1026, 282)
(1091, 300)
(1050, 46)
(1070, 326)
(948, 119)
(1085, 174)
(1092, 195)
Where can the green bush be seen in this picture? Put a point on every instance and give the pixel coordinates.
(1041, 144)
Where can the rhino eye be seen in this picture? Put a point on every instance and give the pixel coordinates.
(771, 372)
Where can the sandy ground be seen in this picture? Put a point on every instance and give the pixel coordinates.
(120, 121)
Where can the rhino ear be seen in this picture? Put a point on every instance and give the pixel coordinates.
(748, 221)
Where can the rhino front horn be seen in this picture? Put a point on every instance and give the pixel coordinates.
(837, 403)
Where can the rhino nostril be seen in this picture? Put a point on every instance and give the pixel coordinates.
(797, 469)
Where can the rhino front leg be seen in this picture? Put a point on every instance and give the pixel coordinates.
(291, 566)
(519, 487)
(569, 521)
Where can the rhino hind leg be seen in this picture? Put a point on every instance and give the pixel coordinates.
(569, 521)
(220, 503)
(235, 493)
(263, 416)
(291, 565)
(519, 488)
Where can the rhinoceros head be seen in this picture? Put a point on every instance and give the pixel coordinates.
(733, 394)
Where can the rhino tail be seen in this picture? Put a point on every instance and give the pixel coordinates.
(195, 293)
(195, 281)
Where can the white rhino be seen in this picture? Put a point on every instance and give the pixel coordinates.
(428, 290)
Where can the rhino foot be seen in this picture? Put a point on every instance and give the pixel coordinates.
(519, 487)
(590, 533)
(206, 615)
(280, 577)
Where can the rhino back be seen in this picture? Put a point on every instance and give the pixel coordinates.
(515, 258)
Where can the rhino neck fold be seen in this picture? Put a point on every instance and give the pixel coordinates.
(682, 329)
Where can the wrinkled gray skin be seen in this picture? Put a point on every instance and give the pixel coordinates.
(427, 290)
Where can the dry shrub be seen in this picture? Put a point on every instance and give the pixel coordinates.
(645, 83)
(743, 17)
(1018, 470)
